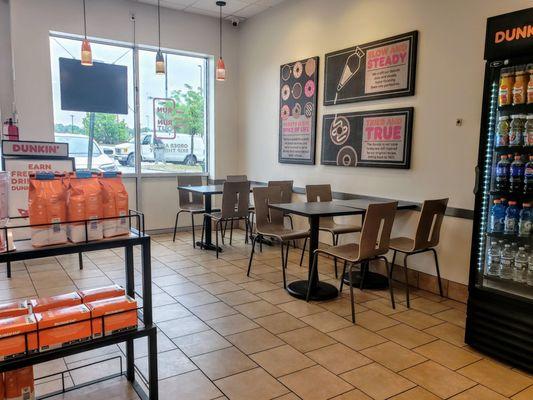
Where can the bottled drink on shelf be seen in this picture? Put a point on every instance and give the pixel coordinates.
(528, 176)
(493, 259)
(516, 175)
(530, 84)
(506, 262)
(497, 217)
(516, 129)
(529, 279)
(520, 266)
(506, 86)
(524, 224)
(502, 174)
(520, 85)
(512, 215)
(528, 131)
(502, 132)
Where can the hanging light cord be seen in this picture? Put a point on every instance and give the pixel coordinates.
(220, 25)
(84, 20)
(159, 23)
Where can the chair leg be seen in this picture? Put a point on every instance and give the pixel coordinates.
(251, 255)
(223, 230)
(390, 282)
(311, 273)
(216, 234)
(392, 264)
(203, 230)
(292, 228)
(231, 233)
(364, 269)
(193, 233)
(352, 297)
(438, 270)
(176, 225)
(406, 277)
(303, 252)
(334, 240)
(246, 225)
(342, 275)
(284, 257)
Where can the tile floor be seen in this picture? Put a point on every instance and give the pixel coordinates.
(223, 335)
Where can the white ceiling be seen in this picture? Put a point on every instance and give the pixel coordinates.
(241, 9)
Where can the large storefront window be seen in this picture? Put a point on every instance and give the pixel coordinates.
(172, 112)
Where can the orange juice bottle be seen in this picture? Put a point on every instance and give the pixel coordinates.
(530, 84)
(505, 93)
(520, 85)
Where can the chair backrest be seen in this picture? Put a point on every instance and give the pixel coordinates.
(264, 215)
(316, 193)
(429, 223)
(286, 189)
(377, 227)
(187, 198)
(236, 178)
(235, 199)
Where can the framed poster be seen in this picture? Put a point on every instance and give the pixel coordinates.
(297, 111)
(377, 70)
(34, 149)
(19, 170)
(380, 138)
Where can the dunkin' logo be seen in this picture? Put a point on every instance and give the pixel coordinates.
(36, 148)
(509, 35)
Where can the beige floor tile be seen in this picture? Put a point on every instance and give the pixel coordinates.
(221, 287)
(338, 358)
(255, 384)
(416, 319)
(182, 288)
(201, 343)
(428, 306)
(282, 360)
(300, 308)
(258, 286)
(384, 307)
(449, 332)
(355, 394)
(393, 356)
(342, 307)
(526, 394)
(315, 383)
(416, 393)
(478, 393)
(496, 377)
(277, 296)
(326, 321)
(196, 299)
(447, 354)
(183, 326)
(192, 385)
(306, 339)
(406, 335)
(236, 298)
(213, 310)
(374, 321)
(279, 323)
(457, 317)
(357, 337)
(438, 379)
(376, 381)
(169, 363)
(232, 324)
(169, 312)
(257, 309)
(254, 340)
(206, 279)
(288, 396)
(221, 363)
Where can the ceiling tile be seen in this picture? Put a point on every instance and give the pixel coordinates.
(231, 7)
(249, 11)
(268, 3)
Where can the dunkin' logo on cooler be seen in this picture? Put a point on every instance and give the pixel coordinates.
(517, 33)
(36, 148)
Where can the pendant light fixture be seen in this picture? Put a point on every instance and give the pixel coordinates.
(159, 60)
(221, 67)
(86, 52)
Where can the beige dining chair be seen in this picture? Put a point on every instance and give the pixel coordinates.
(427, 237)
(235, 178)
(235, 204)
(270, 224)
(317, 193)
(373, 245)
(188, 202)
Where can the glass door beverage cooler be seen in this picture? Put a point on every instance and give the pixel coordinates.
(500, 305)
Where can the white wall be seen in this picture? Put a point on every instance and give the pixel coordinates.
(448, 86)
(6, 81)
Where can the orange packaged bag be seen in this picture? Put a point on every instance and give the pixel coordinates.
(12, 336)
(101, 293)
(47, 205)
(19, 384)
(115, 202)
(84, 201)
(14, 309)
(49, 303)
(117, 314)
(63, 326)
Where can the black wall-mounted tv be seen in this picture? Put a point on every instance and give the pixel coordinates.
(99, 88)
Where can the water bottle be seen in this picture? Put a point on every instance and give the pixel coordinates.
(530, 271)
(497, 217)
(516, 175)
(524, 224)
(528, 176)
(502, 174)
(520, 267)
(506, 263)
(512, 215)
(493, 259)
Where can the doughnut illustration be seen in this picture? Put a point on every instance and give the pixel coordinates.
(347, 157)
(308, 109)
(310, 67)
(297, 91)
(309, 88)
(285, 92)
(297, 111)
(285, 112)
(285, 72)
(297, 69)
(339, 131)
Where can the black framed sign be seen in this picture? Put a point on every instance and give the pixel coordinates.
(509, 35)
(377, 70)
(297, 112)
(380, 138)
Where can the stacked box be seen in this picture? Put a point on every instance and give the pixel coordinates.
(48, 303)
(14, 309)
(105, 292)
(19, 384)
(115, 314)
(12, 338)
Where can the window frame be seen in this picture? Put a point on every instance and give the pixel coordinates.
(207, 82)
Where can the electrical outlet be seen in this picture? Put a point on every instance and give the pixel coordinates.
(459, 122)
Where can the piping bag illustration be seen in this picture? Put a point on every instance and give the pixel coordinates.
(351, 67)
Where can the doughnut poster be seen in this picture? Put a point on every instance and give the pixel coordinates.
(377, 70)
(297, 111)
(380, 138)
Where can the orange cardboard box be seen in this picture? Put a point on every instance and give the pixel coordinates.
(12, 338)
(19, 384)
(118, 314)
(63, 326)
(13, 309)
(48, 303)
(2, 386)
(101, 293)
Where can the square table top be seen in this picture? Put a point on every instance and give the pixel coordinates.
(321, 209)
(211, 189)
(364, 203)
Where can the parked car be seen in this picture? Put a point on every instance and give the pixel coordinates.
(177, 150)
(78, 147)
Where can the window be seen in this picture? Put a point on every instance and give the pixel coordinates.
(172, 113)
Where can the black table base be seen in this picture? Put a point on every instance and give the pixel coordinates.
(372, 281)
(208, 246)
(323, 291)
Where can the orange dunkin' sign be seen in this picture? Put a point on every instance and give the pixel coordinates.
(509, 35)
